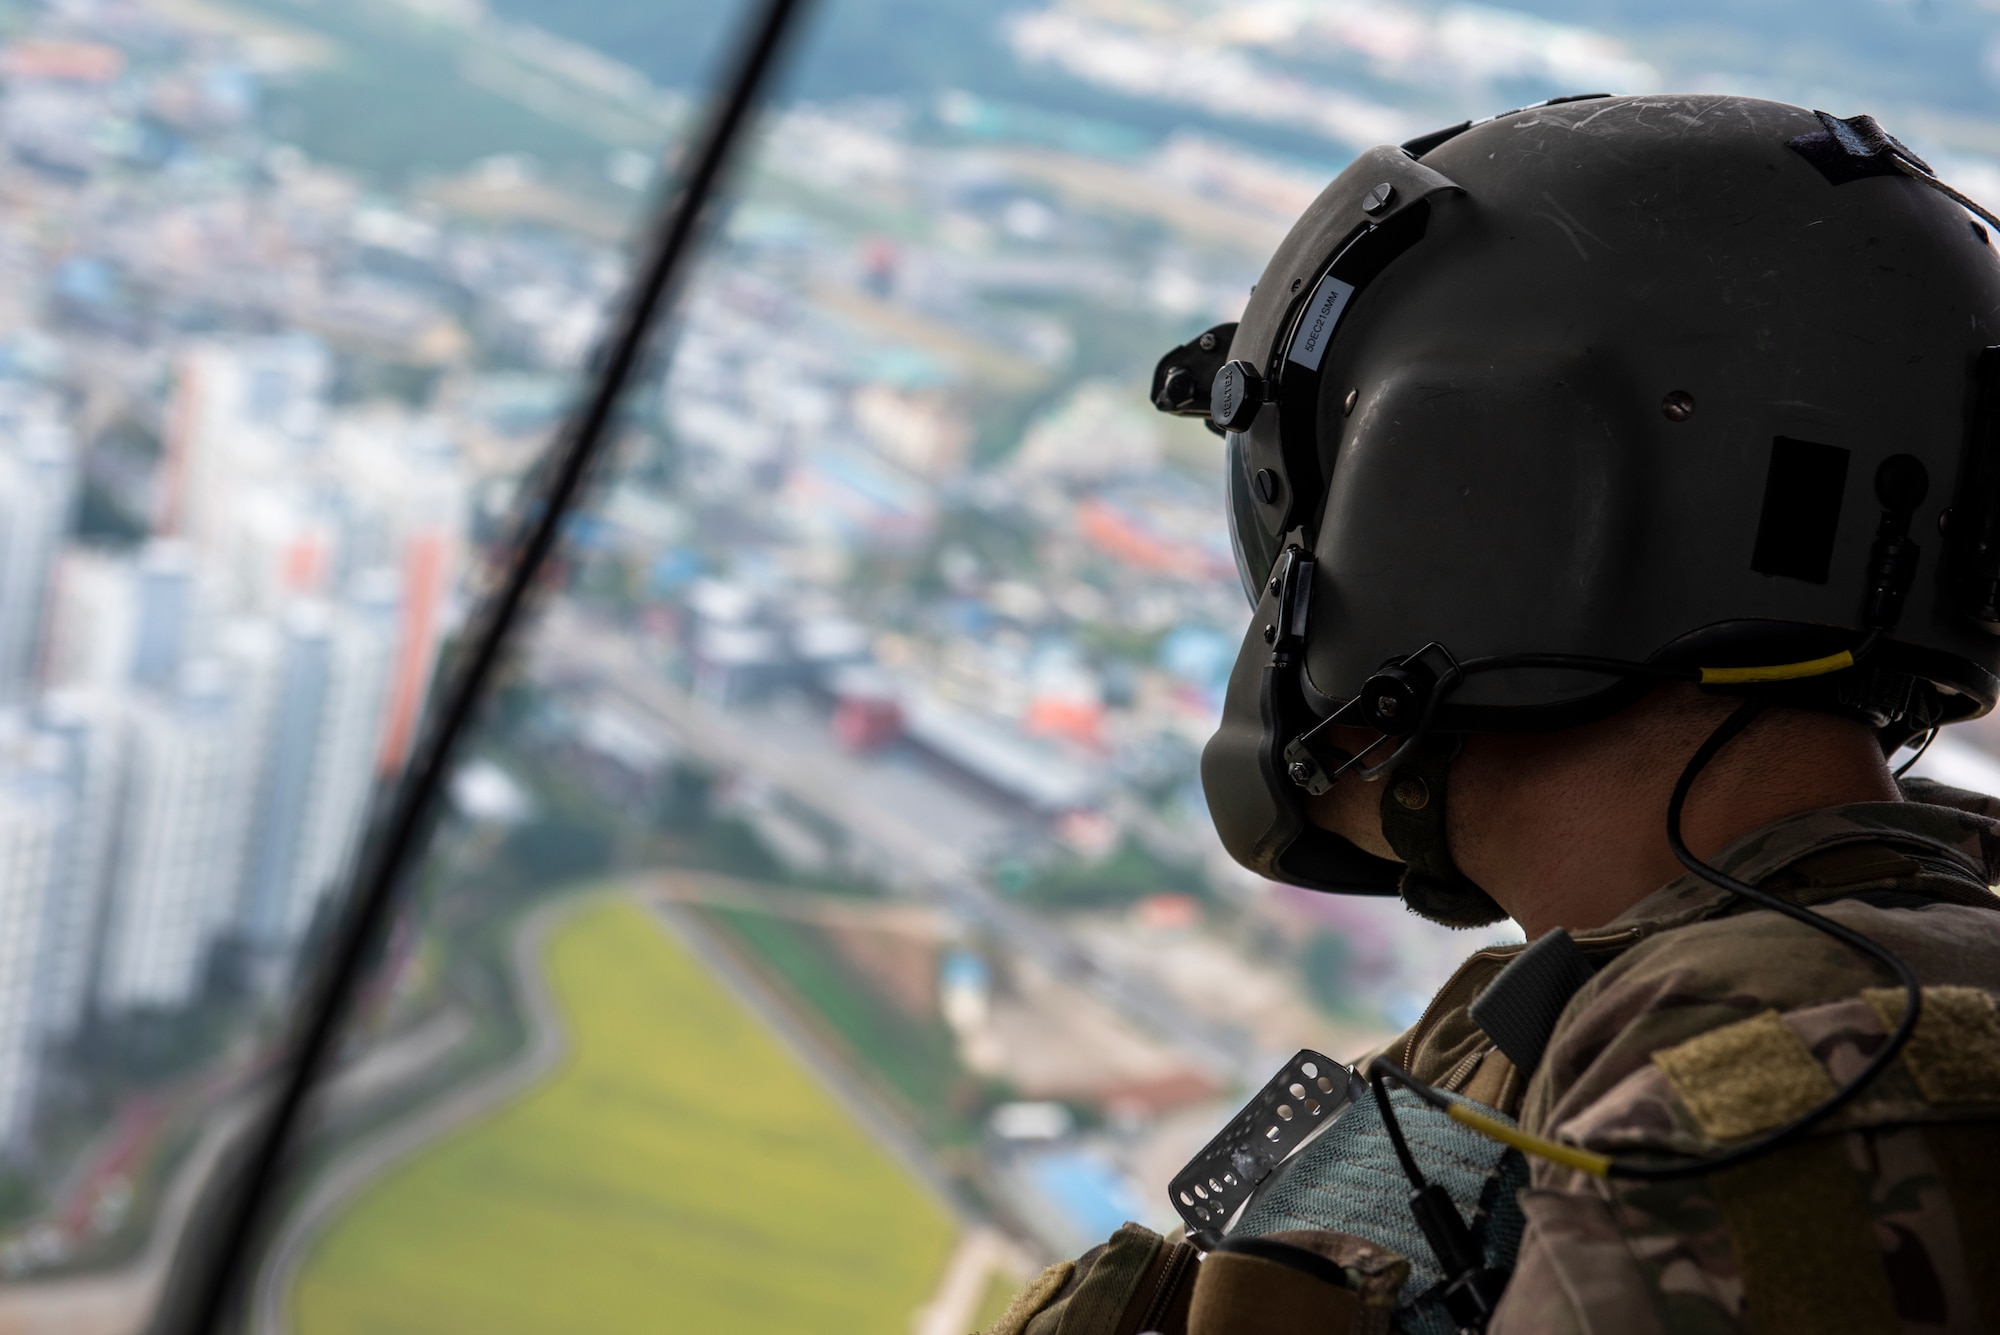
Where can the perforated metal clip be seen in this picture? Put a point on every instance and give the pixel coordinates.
(1295, 1105)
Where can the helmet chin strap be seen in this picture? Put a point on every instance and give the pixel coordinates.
(1413, 821)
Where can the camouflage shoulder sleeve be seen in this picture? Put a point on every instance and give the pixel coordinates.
(1710, 1036)
(1690, 980)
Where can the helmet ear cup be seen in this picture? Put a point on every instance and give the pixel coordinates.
(1413, 821)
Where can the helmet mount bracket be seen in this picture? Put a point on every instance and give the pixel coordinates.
(1182, 378)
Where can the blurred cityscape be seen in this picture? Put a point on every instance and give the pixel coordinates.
(876, 670)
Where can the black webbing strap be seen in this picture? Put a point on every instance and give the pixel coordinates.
(1413, 821)
(1519, 1009)
(1853, 148)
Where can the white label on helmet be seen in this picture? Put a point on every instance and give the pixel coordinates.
(1329, 303)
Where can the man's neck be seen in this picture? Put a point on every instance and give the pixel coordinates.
(1568, 829)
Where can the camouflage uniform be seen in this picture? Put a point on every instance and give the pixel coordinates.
(1708, 1023)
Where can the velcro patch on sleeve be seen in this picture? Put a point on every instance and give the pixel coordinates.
(1745, 1077)
(1954, 1055)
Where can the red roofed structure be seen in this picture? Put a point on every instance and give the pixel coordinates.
(69, 62)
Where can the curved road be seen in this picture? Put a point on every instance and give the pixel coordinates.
(119, 1301)
(951, 1310)
(354, 1171)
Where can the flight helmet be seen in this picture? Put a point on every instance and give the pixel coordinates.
(1527, 416)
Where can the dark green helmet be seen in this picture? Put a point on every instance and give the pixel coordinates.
(1529, 415)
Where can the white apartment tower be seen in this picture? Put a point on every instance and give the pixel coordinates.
(84, 732)
(331, 696)
(240, 414)
(37, 492)
(93, 622)
(165, 617)
(33, 812)
(411, 504)
(180, 856)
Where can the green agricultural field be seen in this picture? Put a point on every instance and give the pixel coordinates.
(680, 1173)
(913, 1057)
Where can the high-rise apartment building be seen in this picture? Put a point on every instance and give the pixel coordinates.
(331, 692)
(38, 477)
(241, 414)
(33, 811)
(189, 787)
(164, 614)
(409, 509)
(93, 622)
(84, 733)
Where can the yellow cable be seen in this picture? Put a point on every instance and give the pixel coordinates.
(1812, 667)
(1598, 1165)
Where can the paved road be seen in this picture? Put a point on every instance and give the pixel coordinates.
(118, 1302)
(364, 1164)
(547, 1044)
(981, 1252)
